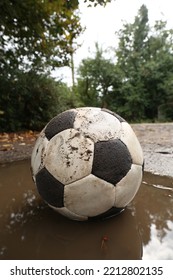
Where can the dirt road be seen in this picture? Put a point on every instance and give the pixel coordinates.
(157, 144)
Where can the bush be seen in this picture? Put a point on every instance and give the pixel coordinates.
(165, 112)
(30, 100)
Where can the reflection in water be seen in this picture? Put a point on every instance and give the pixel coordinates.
(29, 229)
(155, 216)
(160, 247)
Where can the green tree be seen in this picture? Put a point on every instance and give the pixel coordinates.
(144, 58)
(35, 36)
(131, 56)
(96, 79)
(36, 33)
(97, 2)
(157, 73)
(31, 100)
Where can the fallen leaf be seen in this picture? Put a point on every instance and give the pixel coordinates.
(6, 147)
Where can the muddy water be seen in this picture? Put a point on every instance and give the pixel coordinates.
(29, 229)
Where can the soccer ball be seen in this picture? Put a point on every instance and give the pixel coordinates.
(87, 163)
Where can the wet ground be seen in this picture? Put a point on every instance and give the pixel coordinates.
(157, 143)
(29, 229)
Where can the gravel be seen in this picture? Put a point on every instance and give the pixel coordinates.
(157, 144)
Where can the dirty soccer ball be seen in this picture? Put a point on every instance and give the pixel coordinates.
(87, 163)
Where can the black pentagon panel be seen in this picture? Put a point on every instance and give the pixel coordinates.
(114, 114)
(110, 213)
(112, 160)
(59, 123)
(50, 189)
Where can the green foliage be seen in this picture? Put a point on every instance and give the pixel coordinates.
(30, 101)
(165, 112)
(36, 33)
(141, 80)
(39, 33)
(96, 77)
(144, 57)
(97, 2)
(36, 36)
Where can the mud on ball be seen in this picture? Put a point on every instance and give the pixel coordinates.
(87, 163)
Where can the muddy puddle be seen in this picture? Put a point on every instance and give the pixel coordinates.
(29, 229)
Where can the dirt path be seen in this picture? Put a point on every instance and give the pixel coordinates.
(16, 146)
(156, 141)
(157, 144)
